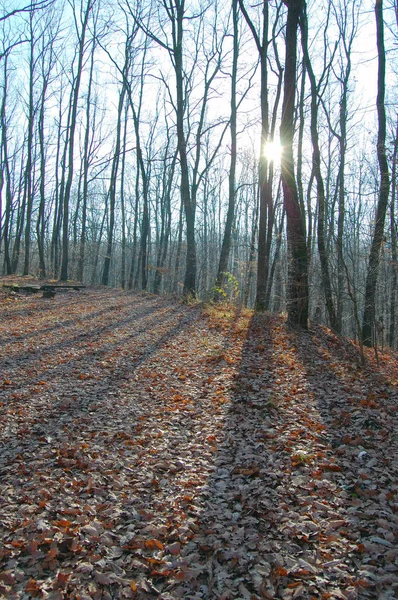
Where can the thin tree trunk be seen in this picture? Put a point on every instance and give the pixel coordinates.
(226, 243)
(28, 175)
(189, 289)
(71, 143)
(368, 323)
(113, 187)
(85, 174)
(316, 162)
(123, 201)
(394, 252)
(6, 175)
(252, 253)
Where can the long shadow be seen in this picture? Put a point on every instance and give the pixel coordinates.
(82, 340)
(292, 509)
(231, 554)
(64, 323)
(261, 502)
(358, 406)
(77, 460)
(88, 380)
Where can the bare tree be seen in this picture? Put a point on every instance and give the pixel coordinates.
(30, 8)
(266, 168)
(47, 61)
(297, 295)
(31, 116)
(316, 166)
(5, 172)
(226, 243)
(368, 322)
(81, 17)
(394, 253)
(173, 19)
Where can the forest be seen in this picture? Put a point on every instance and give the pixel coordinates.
(202, 403)
(239, 151)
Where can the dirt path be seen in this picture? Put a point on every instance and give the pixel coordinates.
(153, 450)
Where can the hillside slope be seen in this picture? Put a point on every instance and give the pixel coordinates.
(154, 450)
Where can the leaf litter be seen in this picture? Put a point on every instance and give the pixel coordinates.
(155, 450)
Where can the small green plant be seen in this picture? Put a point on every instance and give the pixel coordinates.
(301, 457)
(229, 290)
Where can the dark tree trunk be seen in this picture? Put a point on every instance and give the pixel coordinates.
(297, 294)
(112, 189)
(394, 253)
(29, 168)
(5, 231)
(368, 323)
(226, 243)
(71, 144)
(189, 208)
(316, 163)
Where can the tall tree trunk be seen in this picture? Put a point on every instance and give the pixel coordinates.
(19, 227)
(89, 127)
(394, 253)
(123, 200)
(178, 250)
(71, 140)
(40, 225)
(134, 258)
(141, 171)
(41, 222)
(28, 175)
(316, 163)
(252, 250)
(113, 188)
(368, 323)
(265, 186)
(226, 243)
(189, 208)
(168, 177)
(5, 231)
(60, 159)
(297, 294)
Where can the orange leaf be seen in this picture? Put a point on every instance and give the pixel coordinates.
(62, 580)
(52, 553)
(152, 544)
(329, 467)
(133, 586)
(154, 561)
(164, 573)
(33, 587)
(32, 547)
(280, 571)
(71, 511)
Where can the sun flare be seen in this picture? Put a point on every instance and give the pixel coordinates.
(273, 151)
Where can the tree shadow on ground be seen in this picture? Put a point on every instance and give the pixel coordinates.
(302, 499)
(226, 464)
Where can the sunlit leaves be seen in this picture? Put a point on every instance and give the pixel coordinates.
(233, 454)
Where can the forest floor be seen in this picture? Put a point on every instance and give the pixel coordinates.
(154, 450)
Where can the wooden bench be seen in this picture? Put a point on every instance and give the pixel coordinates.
(49, 289)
